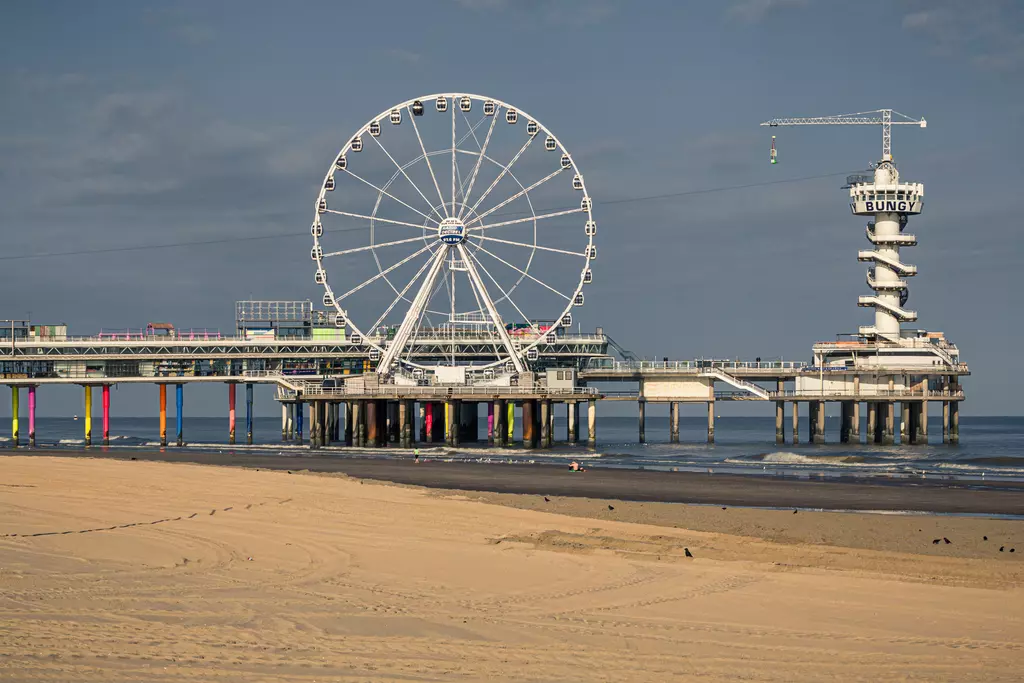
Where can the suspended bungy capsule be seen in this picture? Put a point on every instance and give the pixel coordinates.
(591, 252)
(531, 354)
(588, 276)
(567, 320)
(550, 338)
(396, 116)
(566, 162)
(532, 128)
(375, 129)
(441, 103)
(339, 320)
(321, 206)
(774, 153)
(329, 184)
(417, 108)
(320, 277)
(511, 116)
(374, 354)
(317, 230)
(578, 299)
(577, 182)
(341, 163)
(550, 144)
(489, 108)
(585, 204)
(590, 228)
(316, 253)
(356, 338)
(328, 299)
(357, 144)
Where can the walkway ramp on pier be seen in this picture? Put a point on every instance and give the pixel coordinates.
(741, 384)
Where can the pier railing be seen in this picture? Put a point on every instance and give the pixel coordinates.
(437, 392)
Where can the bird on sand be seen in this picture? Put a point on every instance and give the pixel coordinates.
(546, 499)
(1001, 548)
(723, 508)
(936, 541)
(795, 511)
(611, 507)
(1013, 550)
(984, 538)
(946, 540)
(687, 551)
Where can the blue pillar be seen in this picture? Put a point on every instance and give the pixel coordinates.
(299, 409)
(179, 402)
(248, 413)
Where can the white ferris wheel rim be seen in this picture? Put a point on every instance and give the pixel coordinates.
(519, 349)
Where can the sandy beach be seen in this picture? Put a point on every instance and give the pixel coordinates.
(120, 570)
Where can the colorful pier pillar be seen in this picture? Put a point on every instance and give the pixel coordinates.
(231, 412)
(179, 404)
(511, 419)
(299, 415)
(31, 416)
(163, 415)
(490, 423)
(15, 397)
(284, 422)
(106, 414)
(88, 415)
(248, 414)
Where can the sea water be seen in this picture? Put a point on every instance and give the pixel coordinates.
(990, 448)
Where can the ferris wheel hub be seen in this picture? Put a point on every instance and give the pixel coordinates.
(452, 231)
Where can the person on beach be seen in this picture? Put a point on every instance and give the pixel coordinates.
(574, 466)
(416, 454)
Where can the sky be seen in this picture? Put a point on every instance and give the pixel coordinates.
(126, 127)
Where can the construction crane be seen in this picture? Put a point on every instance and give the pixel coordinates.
(886, 118)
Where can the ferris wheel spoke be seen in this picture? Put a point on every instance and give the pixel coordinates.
(345, 252)
(479, 161)
(523, 272)
(483, 296)
(529, 246)
(418, 303)
(430, 167)
(388, 194)
(402, 170)
(502, 290)
(382, 274)
(504, 171)
(517, 195)
(374, 218)
(455, 146)
(401, 294)
(528, 219)
(424, 314)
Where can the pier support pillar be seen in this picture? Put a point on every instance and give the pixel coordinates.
(572, 416)
(490, 423)
(904, 422)
(796, 422)
(31, 416)
(15, 410)
(348, 423)
(855, 427)
(872, 435)
(816, 409)
(427, 422)
(845, 421)
(945, 422)
(551, 423)
(231, 413)
(500, 423)
(888, 435)
(290, 428)
(511, 407)
(284, 422)
(529, 422)
(642, 420)
(423, 429)
(314, 427)
(394, 421)
(248, 414)
(711, 421)
(179, 404)
(592, 423)
(300, 416)
(921, 435)
(88, 415)
(372, 423)
(954, 422)
(454, 413)
(163, 415)
(545, 423)
(104, 402)
(780, 433)
(673, 422)
(404, 429)
(359, 423)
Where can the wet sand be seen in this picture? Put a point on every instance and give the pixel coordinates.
(896, 494)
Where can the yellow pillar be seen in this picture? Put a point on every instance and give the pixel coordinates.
(163, 414)
(15, 396)
(88, 415)
(447, 422)
(511, 418)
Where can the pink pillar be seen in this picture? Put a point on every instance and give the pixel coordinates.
(490, 422)
(231, 412)
(106, 414)
(31, 415)
(428, 419)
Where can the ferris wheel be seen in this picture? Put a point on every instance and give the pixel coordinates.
(453, 230)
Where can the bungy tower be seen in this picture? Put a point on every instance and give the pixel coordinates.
(885, 363)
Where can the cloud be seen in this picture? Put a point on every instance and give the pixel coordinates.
(989, 35)
(403, 56)
(568, 12)
(755, 11)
